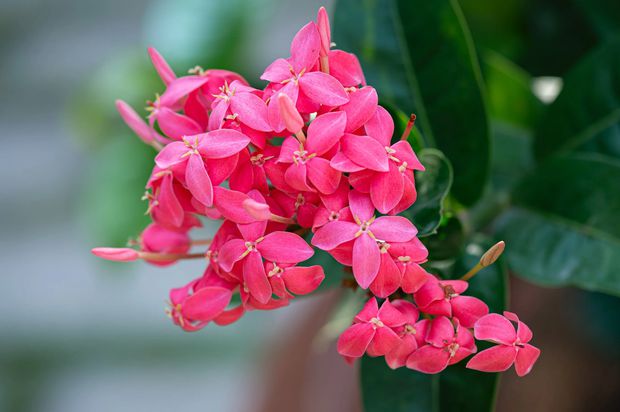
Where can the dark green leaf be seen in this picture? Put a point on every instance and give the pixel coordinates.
(512, 155)
(419, 56)
(509, 92)
(433, 185)
(448, 241)
(565, 229)
(586, 114)
(455, 389)
(603, 14)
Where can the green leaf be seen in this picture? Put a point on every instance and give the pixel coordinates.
(565, 229)
(455, 389)
(113, 187)
(447, 242)
(433, 185)
(419, 56)
(603, 14)
(512, 155)
(509, 92)
(586, 114)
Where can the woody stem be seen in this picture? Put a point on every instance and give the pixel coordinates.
(200, 242)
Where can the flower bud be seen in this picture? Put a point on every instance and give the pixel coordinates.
(122, 254)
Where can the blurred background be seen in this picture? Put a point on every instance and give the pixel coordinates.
(79, 334)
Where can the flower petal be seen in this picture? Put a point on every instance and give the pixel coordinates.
(360, 205)
(161, 66)
(344, 164)
(393, 229)
(526, 358)
(384, 341)
(366, 260)
(380, 126)
(171, 155)
(325, 131)
(303, 280)
(320, 173)
(524, 333)
(369, 311)
(255, 277)
(386, 189)
(230, 253)
(323, 89)
(496, 359)
(175, 125)
(346, 68)
(405, 153)
(390, 315)
(222, 143)
(388, 278)
(296, 176)
(179, 88)
(441, 331)
(373, 157)
(333, 234)
(428, 359)
(495, 328)
(285, 247)
(198, 181)
(252, 111)
(468, 309)
(230, 204)
(207, 303)
(305, 47)
(354, 341)
(277, 71)
(361, 107)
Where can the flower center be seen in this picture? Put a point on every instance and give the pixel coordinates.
(449, 292)
(452, 348)
(276, 271)
(302, 156)
(334, 216)
(409, 329)
(259, 159)
(376, 323)
(300, 201)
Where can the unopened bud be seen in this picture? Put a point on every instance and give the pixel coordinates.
(121, 254)
(291, 117)
(161, 66)
(492, 254)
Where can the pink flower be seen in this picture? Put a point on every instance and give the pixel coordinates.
(249, 251)
(158, 239)
(192, 307)
(217, 146)
(302, 84)
(393, 190)
(366, 231)
(308, 169)
(513, 347)
(412, 334)
(335, 206)
(287, 279)
(408, 257)
(372, 331)
(444, 297)
(445, 346)
(239, 101)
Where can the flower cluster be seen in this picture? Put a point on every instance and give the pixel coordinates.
(307, 161)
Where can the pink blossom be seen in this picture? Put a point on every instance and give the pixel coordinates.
(158, 239)
(190, 154)
(444, 346)
(408, 257)
(192, 307)
(254, 245)
(240, 101)
(412, 334)
(372, 331)
(444, 297)
(512, 346)
(286, 279)
(309, 170)
(366, 230)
